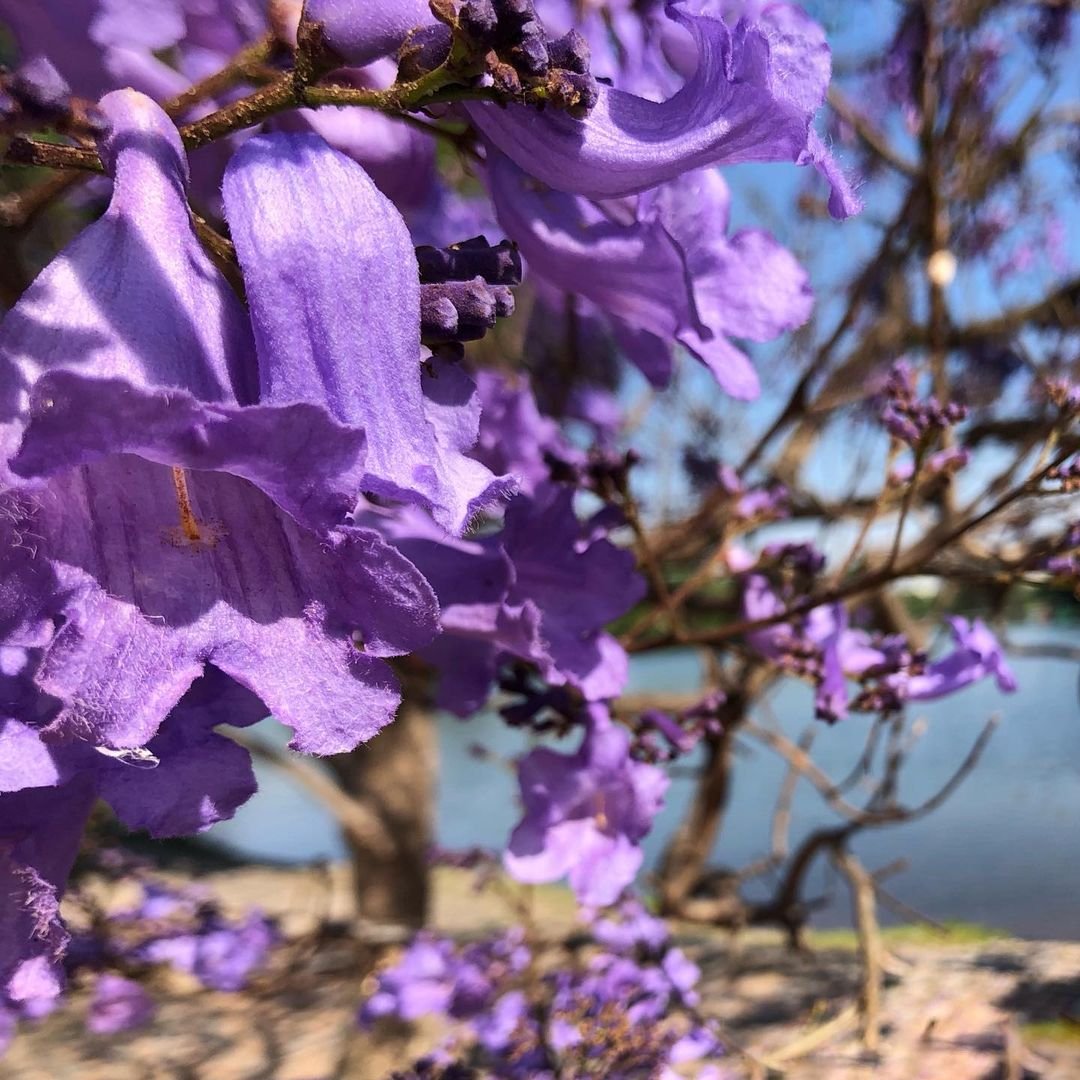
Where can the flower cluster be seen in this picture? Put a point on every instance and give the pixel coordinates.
(912, 419)
(244, 459)
(620, 1004)
(822, 647)
(178, 927)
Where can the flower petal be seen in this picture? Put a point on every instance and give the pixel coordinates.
(201, 778)
(134, 297)
(143, 607)
(334, 291)
(632, 270)
(40, 830)
(734, 108)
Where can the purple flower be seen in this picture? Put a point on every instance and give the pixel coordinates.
(515, 437)
(631, 928)
(433, 976)
(585, 814)
(976, 655)
(136, 357)
(821, 645)
(751, 95)
(946, 461)
(220, 955)
(666, 273)
(541, 590)
(417, 985)
(118, 1004)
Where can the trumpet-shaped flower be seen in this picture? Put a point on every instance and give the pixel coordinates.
(176, 481)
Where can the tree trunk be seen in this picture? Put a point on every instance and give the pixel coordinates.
(394, 777)
(683, 863)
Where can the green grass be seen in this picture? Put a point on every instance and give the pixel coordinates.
(955, 933)
(1057, 1031)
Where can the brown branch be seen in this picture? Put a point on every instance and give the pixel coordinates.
(801, 762)
(25, 151)
(861, 884)
(247, 65)
(19, 208)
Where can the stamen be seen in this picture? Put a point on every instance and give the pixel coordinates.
(188, 524)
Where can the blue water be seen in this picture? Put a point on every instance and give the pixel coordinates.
(1004, 850)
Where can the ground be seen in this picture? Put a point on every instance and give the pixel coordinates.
(964, 1005)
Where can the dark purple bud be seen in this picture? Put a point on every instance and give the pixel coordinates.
(577, 94)
(438, 316)
(39, 87)
(478, 19)
(570, 52)
(529, 53)
(900, 426)
(503, 75)
(476, 307)
(504, 301)
(498, 265)
(461, 310)
(514, 13)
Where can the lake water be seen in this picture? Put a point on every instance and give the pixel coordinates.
(1004, 850)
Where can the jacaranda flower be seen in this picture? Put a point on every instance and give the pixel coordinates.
(586, 814)
(176, 481)
(665, 272)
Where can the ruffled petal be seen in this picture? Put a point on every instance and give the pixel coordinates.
(605, 866)
(578, 591)
(535, 855)
(651, 355)
(632, 270)
(746, 285)
(602, 669)
(311, 465)
(40, 831)
(334, 291)
(729, 365)
(200, 778)
(735, 107)
(670, 275)
(339, 699)
(143, 607)
(25, 760)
